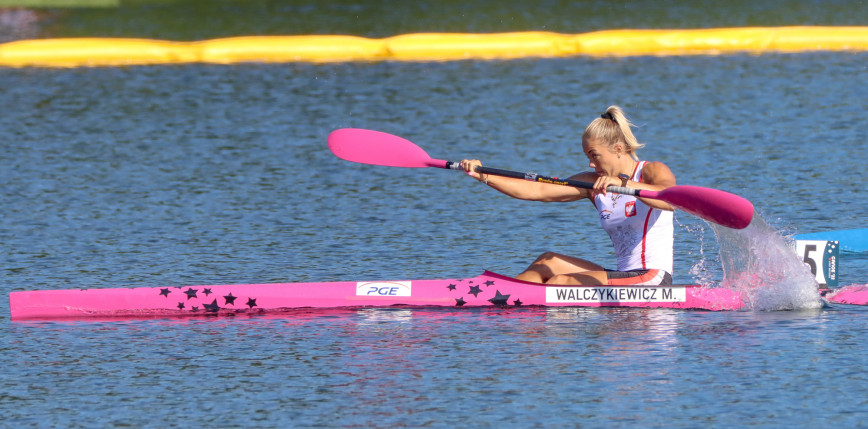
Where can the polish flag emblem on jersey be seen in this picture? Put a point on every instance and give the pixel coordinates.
(630, 209)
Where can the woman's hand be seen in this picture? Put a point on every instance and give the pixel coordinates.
(469, 165)
(604, 182)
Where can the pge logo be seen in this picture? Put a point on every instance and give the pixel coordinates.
(383, 289)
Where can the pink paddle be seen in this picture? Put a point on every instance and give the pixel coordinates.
(379, 148)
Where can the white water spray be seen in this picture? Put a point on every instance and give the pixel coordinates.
(758, 262)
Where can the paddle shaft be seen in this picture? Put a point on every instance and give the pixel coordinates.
(534, 177)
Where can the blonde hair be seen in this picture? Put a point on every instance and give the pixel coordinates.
(611, 128)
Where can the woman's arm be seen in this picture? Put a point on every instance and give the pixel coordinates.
(656, 176)
(527, 190)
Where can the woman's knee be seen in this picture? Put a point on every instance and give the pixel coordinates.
(546, 257)
(561, 279)
(586, 278)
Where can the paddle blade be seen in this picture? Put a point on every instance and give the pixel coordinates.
(720, 207)
(379, 148)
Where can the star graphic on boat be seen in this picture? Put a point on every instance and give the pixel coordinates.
(499, 299)
(489, 282)
(459, 302)
(212, 307)
(451, 287)
(207, 291)
(195, 308)
(251, 302)
(191, 293)
(475, 290)
(230, 300)
(517, 302)
(164, 292)
(180, 306)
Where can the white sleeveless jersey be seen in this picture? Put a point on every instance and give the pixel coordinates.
(642, 236)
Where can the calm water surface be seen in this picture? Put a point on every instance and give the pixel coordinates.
(199, 174)
(203, 19)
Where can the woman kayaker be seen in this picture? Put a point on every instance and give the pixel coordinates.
(641, 229)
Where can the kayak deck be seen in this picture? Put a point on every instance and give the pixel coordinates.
(487, 289)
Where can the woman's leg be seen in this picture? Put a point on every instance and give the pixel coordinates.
(578, 279)
(554, 267)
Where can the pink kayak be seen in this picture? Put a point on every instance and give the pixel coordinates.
(853, 294)
(488, 289)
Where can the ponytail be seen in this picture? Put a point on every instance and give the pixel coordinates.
(613, 127)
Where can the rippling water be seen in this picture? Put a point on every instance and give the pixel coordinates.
(485, 368)
(197, 174)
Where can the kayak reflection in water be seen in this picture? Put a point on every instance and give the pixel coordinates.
(641, 229)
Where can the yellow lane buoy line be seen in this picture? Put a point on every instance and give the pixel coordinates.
(75, 52)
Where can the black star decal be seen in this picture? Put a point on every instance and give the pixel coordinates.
(180, 306)
(251, 302)
(207, 291)
(191, 293)
(489, 283)
(517, 302)
(450, 287)
(475, 291)
(499, 299)
(230, 300)
(212, 307)
(459, 302)
(194, 309)
(164, 292)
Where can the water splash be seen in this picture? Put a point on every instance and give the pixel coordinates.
(758, 262)
(701, 272)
